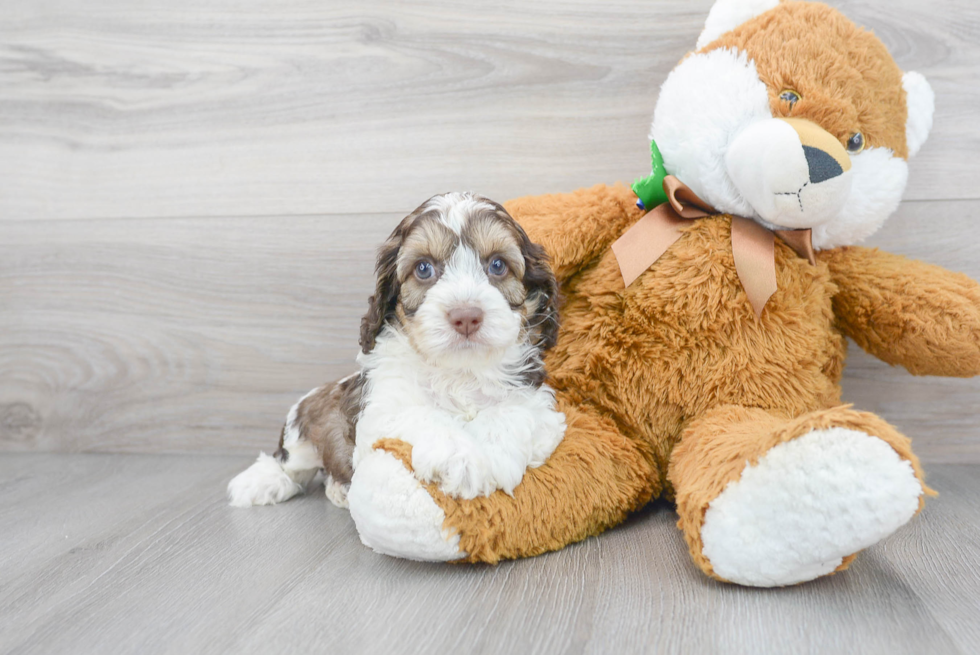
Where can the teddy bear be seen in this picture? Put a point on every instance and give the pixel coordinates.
(702, 343)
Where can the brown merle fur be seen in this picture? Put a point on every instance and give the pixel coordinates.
(328, 418)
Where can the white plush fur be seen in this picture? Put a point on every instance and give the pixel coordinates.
(267, 482)
(395, 515)
(703, 105)
(726, 15)
(715, 128)
(878, 180)
(806, 505)
(921, 102)
(767, 163)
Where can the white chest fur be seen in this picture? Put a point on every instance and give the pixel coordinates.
(473, 431)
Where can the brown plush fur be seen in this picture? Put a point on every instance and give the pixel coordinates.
(640, 369)
(672, 384)
(846, 79)
(890, 305)
(715, 448)
(592, 481)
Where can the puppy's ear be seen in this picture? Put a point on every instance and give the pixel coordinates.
(542, 294)
(543, 299)
(381, 306)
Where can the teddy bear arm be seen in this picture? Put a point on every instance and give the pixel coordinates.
(576, 227)
(906, 312)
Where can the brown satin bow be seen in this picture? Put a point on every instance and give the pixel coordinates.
(753, 246)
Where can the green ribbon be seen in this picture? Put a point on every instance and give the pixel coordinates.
(650, 190)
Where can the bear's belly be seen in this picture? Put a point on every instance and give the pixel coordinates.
(683, 338)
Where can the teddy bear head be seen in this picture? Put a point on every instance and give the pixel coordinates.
(790, 114)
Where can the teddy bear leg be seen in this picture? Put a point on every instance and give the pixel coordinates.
(595, 477)
(767, 501)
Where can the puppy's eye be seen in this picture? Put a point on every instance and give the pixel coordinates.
(497, 267)
(790, 96)
(424, 270)
(855, 143)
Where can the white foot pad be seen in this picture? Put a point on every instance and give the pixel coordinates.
(806, 505)
(395, 515)
(263, 483)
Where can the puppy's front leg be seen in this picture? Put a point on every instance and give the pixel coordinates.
(442, 451)
(517, 436)
(455, 462)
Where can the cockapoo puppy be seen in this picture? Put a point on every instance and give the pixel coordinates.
(451, 362)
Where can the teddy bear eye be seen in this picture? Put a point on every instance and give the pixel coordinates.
(790, 96)
(855, 143)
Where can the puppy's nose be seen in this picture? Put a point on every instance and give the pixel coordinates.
(466, 320)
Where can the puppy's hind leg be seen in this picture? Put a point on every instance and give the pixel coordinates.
(273, 479)
(286, 473)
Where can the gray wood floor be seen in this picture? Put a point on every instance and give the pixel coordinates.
(140, 553)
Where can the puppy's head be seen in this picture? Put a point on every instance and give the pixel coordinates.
(460, 278)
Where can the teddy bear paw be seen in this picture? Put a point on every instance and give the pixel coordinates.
(394, 513)
(806, 505)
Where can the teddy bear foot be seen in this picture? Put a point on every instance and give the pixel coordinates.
(806, 506)
(394, 513)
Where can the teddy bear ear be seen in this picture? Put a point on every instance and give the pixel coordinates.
(726, 15)
(921, 103)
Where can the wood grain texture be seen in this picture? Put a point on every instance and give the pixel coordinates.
(127, 554)
(196, 335)
(114, 109)
(115, 332)
(229, 170)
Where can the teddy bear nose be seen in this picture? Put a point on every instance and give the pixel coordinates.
(466, 320)
(822, 166)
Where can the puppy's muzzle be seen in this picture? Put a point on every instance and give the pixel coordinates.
(466, 320)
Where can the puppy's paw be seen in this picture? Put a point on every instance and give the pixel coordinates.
(430, 455)
(548, 433)
(263, 483)
(336, 491)
(467, 474)
(458, 466)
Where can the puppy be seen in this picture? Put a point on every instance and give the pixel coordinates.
(450, 362)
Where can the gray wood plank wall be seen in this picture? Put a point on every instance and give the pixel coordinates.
(191, 192)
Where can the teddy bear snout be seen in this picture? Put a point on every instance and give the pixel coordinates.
(792, 172)
(821, 165)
